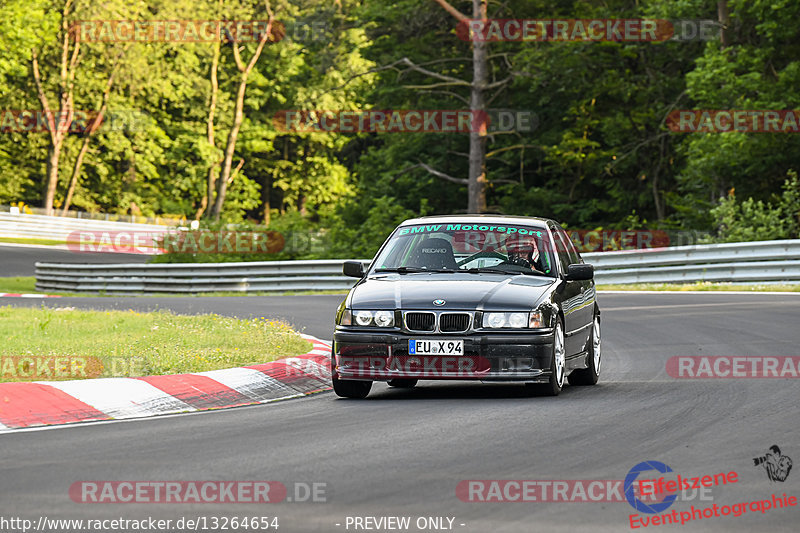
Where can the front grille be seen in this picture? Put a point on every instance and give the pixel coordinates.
(452, 322)
(420, 321)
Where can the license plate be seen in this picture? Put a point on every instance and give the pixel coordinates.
(435, 347)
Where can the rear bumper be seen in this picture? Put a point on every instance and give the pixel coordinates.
(503, 356)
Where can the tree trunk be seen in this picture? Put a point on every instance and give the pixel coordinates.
(59, 123)
(265, 190)
(476, 181)
(90, 131)
(476, 189)
(230, 147)
(724, 19)
(213, 170)
(656, 174)
(51, 182)
(238, 116)
(76, 171)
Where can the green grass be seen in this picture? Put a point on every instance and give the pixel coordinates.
(700, 286)
(223, 293)
(270, 293)
(27, 284)
(45, 344)
(15, 240)
(18, 284)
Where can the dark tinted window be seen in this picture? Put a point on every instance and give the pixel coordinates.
(574, 257)
(463, 246)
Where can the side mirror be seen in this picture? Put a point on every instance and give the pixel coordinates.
(579, 272)
(354, 269)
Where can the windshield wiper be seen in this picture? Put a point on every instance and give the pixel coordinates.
(496, 270)
(413, 270)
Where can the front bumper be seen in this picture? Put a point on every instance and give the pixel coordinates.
(500, 356)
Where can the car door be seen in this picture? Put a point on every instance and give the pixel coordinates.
(571, 296)
(584, 305)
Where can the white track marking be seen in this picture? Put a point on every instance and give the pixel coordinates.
(121, 397)
(251, 383)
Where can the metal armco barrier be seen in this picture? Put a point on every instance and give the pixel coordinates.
(745, 262)
(194, 277)
(767, 261)
(59, 228)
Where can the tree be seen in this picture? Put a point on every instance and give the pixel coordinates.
(90, 131)
(226, 174)
(59, 119)
(755, 67)
(476, 182)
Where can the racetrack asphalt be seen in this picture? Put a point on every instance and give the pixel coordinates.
(20, 260)
(403, 452)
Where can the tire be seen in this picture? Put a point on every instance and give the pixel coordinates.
(402, 383)
(557, 367)
(590, 374)
(351, 388)
(348, 389)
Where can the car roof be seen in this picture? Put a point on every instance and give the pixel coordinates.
(476, 219)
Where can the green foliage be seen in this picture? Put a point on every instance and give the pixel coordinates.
(600, 155)
(360, 235)
(289, 237)
(755, 220)
(760, 69)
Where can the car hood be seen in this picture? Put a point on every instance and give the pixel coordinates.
(459, 291)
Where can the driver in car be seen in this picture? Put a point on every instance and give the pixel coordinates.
(523, 251)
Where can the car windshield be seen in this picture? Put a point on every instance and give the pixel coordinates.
(474, 248)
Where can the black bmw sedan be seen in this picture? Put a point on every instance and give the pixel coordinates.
(486, 298)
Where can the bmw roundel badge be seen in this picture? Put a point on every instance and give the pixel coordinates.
(438, 302)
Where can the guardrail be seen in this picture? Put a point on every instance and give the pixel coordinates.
(60, 228)
(159, 220)
(263, 276)
(766, 261)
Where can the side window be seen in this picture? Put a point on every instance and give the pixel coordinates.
(574, 257)
(567, 254)
(561, 249)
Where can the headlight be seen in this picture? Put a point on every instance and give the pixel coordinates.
(382, 319)
(363, 318)
(518, 320)
(513, 320)
(494, 320)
